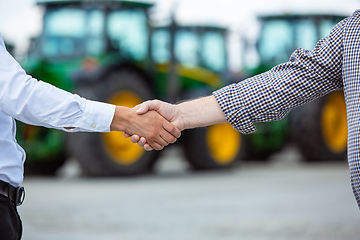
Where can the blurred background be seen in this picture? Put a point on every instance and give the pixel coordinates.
(288, 180)
(22, 19)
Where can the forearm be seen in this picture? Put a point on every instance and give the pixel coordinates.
(39, 103)
(200, 112)
(42, 104)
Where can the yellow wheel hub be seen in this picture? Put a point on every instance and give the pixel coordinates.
(333, 122)
(120, 149)
(223, 142)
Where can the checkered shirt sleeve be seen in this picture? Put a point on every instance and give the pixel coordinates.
(334, 64)
(271, 95)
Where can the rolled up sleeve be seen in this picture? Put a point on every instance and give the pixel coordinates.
(270, 96)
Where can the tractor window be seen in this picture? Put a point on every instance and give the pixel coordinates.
(213, 51)
(186, 48)
(306, 35)
(95, 43)
(160, 46)
(64, 31)
(326, 26)
(71, 32)
(275, 43)
(281, 37)
(128, 33)
(66, 22)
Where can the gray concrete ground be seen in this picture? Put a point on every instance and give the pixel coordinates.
(283, 199)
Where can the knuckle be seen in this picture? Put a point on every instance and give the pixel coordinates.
(172, 128)
(152, 135)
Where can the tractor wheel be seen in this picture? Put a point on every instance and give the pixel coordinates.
(319, 128)
(214, 147)
(111, 154)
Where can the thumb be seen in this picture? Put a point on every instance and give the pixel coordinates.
(147, 106)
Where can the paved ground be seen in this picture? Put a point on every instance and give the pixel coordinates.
(281, 200)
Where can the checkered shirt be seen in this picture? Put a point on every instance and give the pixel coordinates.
(334, 64)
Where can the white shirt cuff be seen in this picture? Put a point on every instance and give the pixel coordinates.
(97, 116)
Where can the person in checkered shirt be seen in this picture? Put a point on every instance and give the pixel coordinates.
(333, 64)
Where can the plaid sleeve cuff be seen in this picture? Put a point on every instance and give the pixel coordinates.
(235, 111)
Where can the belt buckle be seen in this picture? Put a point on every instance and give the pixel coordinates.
(20, 196)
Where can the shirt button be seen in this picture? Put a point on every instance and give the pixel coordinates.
(93, 126)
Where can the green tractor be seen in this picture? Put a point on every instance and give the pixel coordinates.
(318, 129)
(108, 51)
(199, 60)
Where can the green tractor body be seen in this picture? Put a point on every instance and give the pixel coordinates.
(107, 51)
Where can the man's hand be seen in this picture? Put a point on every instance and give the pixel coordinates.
(167, 110)
(154, 128)
(196, 113)
(170, 112)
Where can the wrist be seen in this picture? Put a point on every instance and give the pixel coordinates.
(183, 116)
(200, 112)
(121, 116)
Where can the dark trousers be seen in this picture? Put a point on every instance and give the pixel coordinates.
(10, 222)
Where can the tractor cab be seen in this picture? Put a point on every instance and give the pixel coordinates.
(89, 28)
(83, 36)
(195, 46)
(280, 35)
(200, 56)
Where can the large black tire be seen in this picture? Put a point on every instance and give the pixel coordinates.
(319, 128)
(215, 147)
(111, 154)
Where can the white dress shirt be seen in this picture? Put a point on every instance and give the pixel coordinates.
(38, 103)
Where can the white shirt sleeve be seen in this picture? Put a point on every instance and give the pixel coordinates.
(38, 103)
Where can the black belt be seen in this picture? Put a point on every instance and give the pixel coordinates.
(15, 194)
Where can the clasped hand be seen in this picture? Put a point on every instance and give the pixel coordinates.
(156, 131)
(199, 112)
(166, 110)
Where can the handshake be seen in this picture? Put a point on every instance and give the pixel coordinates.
(155, 124)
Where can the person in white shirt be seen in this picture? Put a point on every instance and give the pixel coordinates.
(38, 103)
